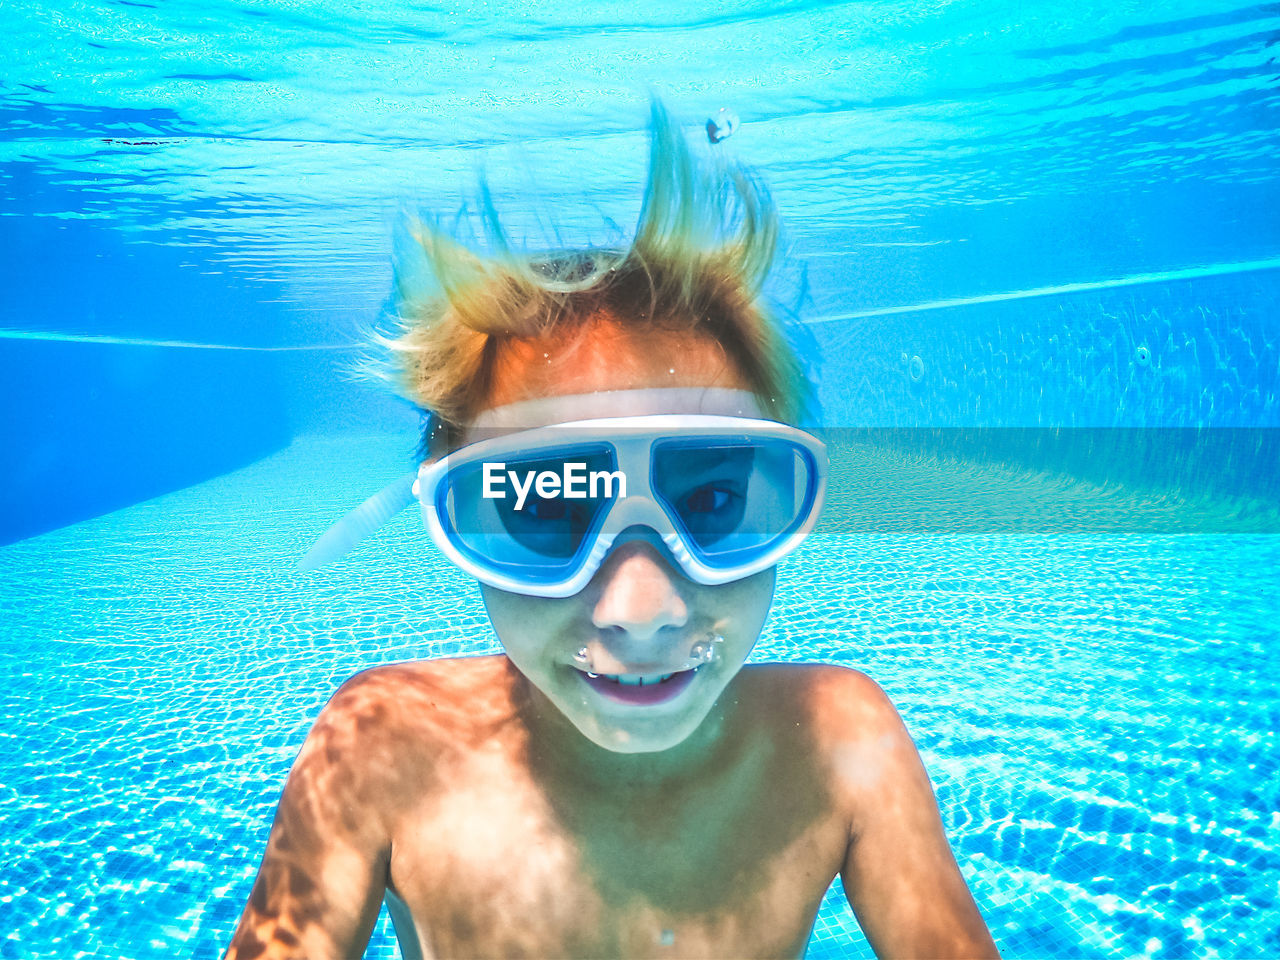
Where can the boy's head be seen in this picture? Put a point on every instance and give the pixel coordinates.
(702, 250)
(670, 335)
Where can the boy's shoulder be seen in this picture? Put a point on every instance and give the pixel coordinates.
(831, 700)
(848, 724)
(413, 712)
(437, 677)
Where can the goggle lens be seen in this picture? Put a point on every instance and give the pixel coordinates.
(733, 498)
(519, 529)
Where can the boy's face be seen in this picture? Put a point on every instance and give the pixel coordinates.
(638, 617)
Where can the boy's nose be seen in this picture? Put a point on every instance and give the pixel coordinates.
(637, 592)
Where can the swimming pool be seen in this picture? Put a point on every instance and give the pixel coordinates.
(1098, 711)
(1036, 250)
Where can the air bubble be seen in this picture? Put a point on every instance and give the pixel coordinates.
(722, 126)
(704, 651)
(915, 369)
(1143, 355)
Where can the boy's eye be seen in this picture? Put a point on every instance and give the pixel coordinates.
(707, 499)
(553, 508)
(548, 527)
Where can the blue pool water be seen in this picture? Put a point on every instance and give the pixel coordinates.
(1037, 250)
(1098, 713)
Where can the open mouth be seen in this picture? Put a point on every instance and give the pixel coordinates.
(637, 688)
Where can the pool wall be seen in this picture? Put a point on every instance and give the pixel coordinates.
(1170, 384)
(91, 426)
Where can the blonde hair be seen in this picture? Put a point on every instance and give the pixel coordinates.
(703, 248)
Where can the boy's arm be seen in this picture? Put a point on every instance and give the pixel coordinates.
(899, 874)
(322, 878)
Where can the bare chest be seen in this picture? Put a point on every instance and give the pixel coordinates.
(501, 866)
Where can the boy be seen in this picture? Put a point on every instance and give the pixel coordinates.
(610, 460)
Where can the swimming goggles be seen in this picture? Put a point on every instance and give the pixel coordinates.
(537, 511)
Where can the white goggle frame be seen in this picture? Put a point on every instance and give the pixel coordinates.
(632, 438)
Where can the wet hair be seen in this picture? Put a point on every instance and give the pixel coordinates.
(703, 247)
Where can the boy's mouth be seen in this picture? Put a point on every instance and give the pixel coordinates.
(636, 688)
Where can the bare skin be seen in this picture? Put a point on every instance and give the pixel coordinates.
(427, 780)
(502, 817)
